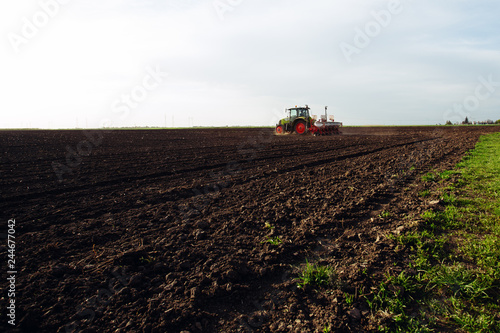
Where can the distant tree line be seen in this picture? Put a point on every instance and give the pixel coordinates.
(467, 122)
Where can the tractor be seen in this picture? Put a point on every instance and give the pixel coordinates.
(300, 121)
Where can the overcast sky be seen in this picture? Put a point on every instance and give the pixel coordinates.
(177, 63)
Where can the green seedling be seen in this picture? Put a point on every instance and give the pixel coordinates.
(384, 214)
(273, 240)
(317, 276)
(424, 193)
(429, 177)
(269, 226)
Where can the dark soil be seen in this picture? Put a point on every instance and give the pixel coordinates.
(165, 230)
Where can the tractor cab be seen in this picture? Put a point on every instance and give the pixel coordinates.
(298, 113)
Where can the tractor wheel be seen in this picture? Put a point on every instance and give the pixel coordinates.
(300, 127)
(279, 129)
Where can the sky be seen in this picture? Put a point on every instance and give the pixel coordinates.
(89, 64)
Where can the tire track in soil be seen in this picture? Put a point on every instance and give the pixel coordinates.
(129, 178)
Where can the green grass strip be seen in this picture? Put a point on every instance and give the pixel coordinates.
(453, 281)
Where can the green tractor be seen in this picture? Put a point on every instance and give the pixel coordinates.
(299, 121)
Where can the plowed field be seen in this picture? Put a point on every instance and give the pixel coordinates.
(205, 230)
